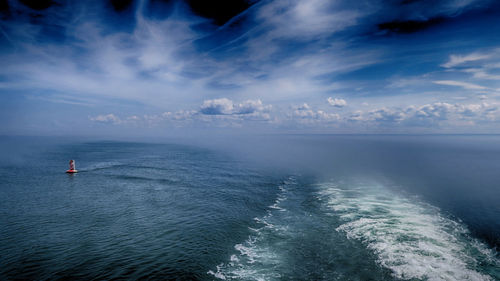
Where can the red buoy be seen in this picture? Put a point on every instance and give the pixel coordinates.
(72, 167)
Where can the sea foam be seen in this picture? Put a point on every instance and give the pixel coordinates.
(411, 238)
(258, 258)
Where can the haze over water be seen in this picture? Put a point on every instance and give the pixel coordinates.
(290, 207)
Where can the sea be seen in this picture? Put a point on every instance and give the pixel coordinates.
(267, 207)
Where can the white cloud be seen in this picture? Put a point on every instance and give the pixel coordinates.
(151, 67)
(226, 106)
(482, 74)
(252, 106)
(386, 115)
(180, 115)
(437, 110)
(217, 107)
(465, 85)
(429, 116)
(108, 118)
(304, 114)
(456, 60)
(336, 102)
(310, 18)
(355, 116)
(289, 53)
(133, 118)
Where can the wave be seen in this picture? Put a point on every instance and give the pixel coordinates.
(411, 238)
(101, 166)
(144, 178)
(259, 256)
(390, 234)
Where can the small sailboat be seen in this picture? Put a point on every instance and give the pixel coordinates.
(72, 169)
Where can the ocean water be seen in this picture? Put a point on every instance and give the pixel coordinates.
(266, 208)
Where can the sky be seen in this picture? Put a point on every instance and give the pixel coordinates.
(156, 68)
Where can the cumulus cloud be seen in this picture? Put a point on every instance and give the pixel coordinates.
(217, 112)
(226, 113)
(180, 115)
(430, 115)
(226, 106)
(386, 115)
(437, 111)
(217, 107)
(251, 106)
(304, 114)
(355, 116)
(336, 102)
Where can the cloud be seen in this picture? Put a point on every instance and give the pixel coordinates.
(304, 114)
(252, 106)
(481, 65)
(430, 116)
(456, 60)
(465, 85)
(99, 59)
(217, 107)
(355, 116)
(407, 82)
(336, 102)
(386, 115)
(167, 70)
(482, 73)
(225, 113)
(438, 110)
(180, 115)
(108, 118)
(446, 114)
(226, 106)
(311, 18)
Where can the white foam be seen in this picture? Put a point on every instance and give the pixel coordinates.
(256, 259)
(252, 262)
(409, 237)
(218, 273)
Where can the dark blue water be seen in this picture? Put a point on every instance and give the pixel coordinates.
(275, 208)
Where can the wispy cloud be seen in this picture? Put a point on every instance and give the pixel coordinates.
(456, 60)
(482, 74)
(465, 85)
(311, 18)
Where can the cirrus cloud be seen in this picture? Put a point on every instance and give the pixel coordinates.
(465, 85)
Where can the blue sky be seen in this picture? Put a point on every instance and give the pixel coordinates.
(305, 66)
